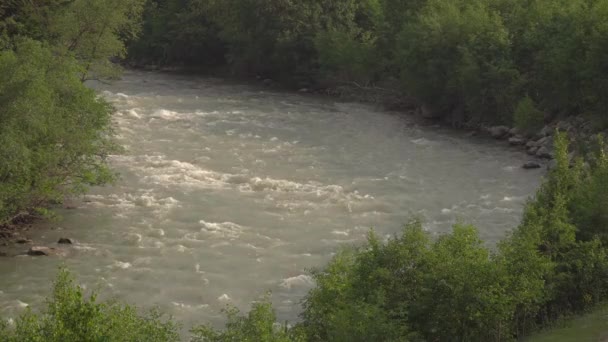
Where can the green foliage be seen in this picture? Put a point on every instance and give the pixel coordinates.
(71, 316)
(54, 131)
(452, 287)
(468, 60)
(90, 31)
(527, 117)
(258, 326)
(590, 204)
(93, 31)
(456, 55)
(344, 57)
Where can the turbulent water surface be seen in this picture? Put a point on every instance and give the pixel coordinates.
(230, 190)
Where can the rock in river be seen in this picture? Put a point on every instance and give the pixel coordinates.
(517, 141)
(66, 241)
(44, 251)
(531, 165)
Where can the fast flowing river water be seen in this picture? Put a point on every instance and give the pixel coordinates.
(230, 190)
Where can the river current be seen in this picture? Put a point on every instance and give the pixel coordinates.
(229, 190)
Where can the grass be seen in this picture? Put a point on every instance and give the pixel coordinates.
(592, 327)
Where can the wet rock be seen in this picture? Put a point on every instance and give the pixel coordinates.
(47, 251)
(565, 126)
(23, 241)
(531, 144)
(546, 131)
(531, 165)
(514, 131)
(517, 141)
(532, 150)
(66, 241)
(543, 152)
(498, 132)
(41, 251)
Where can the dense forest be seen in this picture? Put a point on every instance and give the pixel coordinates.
(521, 62)
(500, 61)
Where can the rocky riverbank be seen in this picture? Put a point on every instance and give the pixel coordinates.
(581, 132)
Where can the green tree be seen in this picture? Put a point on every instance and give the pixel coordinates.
(72, 316)
(259, 325)
(455, 57)
(54, 131)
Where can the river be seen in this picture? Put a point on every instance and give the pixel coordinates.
(230, 190)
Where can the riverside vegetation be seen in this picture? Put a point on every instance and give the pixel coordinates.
(517, 62)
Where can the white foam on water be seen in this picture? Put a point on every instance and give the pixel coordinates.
(169, 115)
(122, 265)
(132, 113)
(228, 230)
(301, 280)
(189, 306)
(514, 198)
(340, 232)
(423, 142)
(224, 298)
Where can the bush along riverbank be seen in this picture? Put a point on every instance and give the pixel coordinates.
(55, 133)
(411, 287)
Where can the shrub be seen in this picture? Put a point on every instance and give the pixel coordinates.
(55, 132)
(590, 204)
(70, 316)
(455, 56)
(258, 325)
(527, 117)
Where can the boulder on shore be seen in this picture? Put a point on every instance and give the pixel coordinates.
(531, 144)
(531, 165)
(532, 151)
(544, 152)
(517, 141)
(546, 131)
(498, 132)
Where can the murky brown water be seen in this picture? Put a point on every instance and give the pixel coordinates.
(228, 191)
